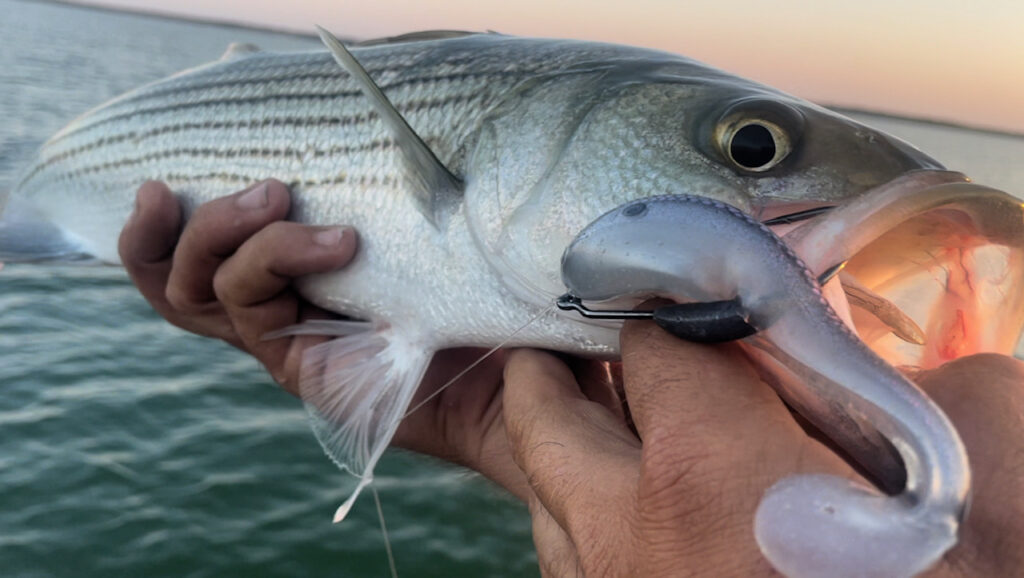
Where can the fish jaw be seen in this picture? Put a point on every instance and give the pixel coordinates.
(949, 254)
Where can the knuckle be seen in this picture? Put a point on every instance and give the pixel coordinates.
(223, 284)
(275, 233)
(125, 246)
(527, 450)
(208, 211)
(233, 282)
(657, 384)
(184, 301)
(269, 247)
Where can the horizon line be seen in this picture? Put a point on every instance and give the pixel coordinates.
(311, 34)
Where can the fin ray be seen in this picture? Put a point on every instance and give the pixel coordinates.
(421, 36)
(356, 390)
(436, 189)
(331, 327)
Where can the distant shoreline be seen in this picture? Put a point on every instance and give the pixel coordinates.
(842, 109)
(922, 120)
(101, 7)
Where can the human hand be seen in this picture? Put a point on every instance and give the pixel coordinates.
(715, 437)
(228, 274)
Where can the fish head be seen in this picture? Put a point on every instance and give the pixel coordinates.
(783, 152)
(689, 130)
(933, 265)
(615, 134)
(561, 152)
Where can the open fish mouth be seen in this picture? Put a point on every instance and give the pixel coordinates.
(933, 266)
(930, 267)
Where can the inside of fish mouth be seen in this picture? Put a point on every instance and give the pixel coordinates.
(785, 217)
(932, 289)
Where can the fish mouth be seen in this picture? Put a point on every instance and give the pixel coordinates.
(933, 266)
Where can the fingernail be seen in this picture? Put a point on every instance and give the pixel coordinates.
(329, 237)
(257, 198)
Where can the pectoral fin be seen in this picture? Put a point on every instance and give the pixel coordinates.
(436, 189)
(357, 389)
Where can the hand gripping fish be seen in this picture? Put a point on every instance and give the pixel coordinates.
(469, 163)
(749, 284)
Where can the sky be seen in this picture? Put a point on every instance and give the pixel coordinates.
(945, 60)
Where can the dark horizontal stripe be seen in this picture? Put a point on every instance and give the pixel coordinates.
(210, 103)
(293, 122)
(288, 74)
(294, 184)
(278, 97)
(364, 180)
(213, 153)
(412, 107)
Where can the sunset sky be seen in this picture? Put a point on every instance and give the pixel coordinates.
(940, 59)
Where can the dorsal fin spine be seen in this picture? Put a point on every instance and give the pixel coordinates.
(436, 189)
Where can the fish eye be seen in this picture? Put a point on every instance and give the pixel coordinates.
(754, 145)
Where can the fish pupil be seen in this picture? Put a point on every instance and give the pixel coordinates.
(752, 146)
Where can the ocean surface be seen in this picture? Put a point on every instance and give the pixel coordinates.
(130, 448)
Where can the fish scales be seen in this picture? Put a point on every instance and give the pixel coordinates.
(310, 132)
(299, 118)
(261, 83)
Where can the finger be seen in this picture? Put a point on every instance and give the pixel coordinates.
(983, 396)
(715, 436)
(253, 286)
(148, 240)
(212, 234)
(693, 391)
(463, 423)
(268, 262)
(560, 439)
(556, 554)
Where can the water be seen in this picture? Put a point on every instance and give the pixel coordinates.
(129, 448)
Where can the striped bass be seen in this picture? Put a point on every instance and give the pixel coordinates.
(481, 170)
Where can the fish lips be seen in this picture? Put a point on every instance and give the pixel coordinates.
(947, 253)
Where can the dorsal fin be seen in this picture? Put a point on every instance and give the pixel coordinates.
(239, 49)
(419, 36)
(436, 189)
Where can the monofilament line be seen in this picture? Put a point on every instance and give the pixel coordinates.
(384, 530)
(480, 360)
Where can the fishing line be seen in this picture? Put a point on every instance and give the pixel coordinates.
(470, 367)
(384, 530)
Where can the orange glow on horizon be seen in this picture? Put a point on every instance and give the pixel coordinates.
(921, 58)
